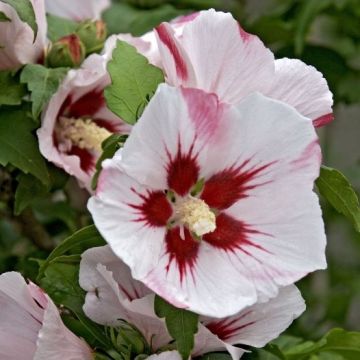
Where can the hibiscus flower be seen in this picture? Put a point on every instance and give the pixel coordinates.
(210, 51)
(31, 326)
(17, 46)
(211, 205)
(77, 121)
(112, 294)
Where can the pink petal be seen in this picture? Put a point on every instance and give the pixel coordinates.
(30, 324)
(17, 38)
(57, 342)
(77, 10)
(304, 88)
(20, 318)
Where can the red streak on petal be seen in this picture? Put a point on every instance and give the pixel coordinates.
(186, 18)
(155, 209)
(87, 160)
(183, 251)
(311, 152)
(323, 120)
(87, 105)
(183, 171)
(229, 186)
(244, 35)
(130, 297)
(225, 330)
(231, 234)
(167, 39)
(205, 110)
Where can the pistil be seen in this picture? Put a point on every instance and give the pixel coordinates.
(84, 133)
(196, 215)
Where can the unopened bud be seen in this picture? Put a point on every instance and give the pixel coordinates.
(130, 338)
(69, 51)
(92, 34)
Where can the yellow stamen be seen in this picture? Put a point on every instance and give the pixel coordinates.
(84, 133)
(197, 216)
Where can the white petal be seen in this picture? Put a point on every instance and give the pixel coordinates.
(260, 323)
(285, 239)
(109, 286)
(303, 87)
(78, 9)
(113, 295)
(206, 341)
(216, 55)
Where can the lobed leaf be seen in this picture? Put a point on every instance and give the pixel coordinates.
(134, 81)
(42, 83)
(18, 144)
(14, 90)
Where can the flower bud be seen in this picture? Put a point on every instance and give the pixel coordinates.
(92, 34)
(68, 51)
(130, 338)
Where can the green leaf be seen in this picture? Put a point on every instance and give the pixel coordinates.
(181, 324)
(28, 190)
(336, 189)
(14, 90)
(25, 11)
(59, 27)
(134, 81)
(18, 144)
(3, 17)
(78, 242)
(43, 83)
(109, 147)
(61, 282)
